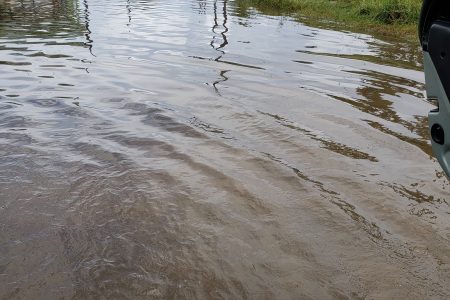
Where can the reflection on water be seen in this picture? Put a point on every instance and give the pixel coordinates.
(219, 46)
(88, 32)
(202, 149)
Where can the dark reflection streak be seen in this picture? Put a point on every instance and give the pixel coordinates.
(55, 9)
(224, 43)
(224, 78)
(281, 23)
(223, 33)
(215, 24)
(33, 5)
(201, 7)
(11, 15)
(129, 12)
(89, 42)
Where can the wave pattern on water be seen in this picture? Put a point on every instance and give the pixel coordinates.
(198, 149)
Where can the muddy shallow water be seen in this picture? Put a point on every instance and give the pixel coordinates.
(198, 149)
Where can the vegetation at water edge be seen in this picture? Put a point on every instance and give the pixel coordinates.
(389, 17)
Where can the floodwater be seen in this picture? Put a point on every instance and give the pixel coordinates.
(201, 149)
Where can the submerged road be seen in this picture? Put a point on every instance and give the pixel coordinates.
(200, 149)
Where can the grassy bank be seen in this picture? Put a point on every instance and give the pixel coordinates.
(387, 17)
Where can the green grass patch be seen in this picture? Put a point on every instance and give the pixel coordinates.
(388, 17)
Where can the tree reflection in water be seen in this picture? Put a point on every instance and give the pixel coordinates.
(223, 41)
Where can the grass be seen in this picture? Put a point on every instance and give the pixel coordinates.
(386, 17)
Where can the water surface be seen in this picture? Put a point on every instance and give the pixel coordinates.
(198, 149)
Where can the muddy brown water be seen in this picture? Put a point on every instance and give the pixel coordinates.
(202, 150)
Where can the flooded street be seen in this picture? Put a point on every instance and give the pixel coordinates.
(200, 149)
